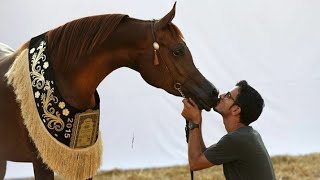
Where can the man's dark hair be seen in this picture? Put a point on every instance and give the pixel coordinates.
(250, 101)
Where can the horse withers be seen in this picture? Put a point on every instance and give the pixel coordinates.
(81, 54)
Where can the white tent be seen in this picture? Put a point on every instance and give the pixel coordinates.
(273, 44)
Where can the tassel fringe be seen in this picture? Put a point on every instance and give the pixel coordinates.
(156, 60)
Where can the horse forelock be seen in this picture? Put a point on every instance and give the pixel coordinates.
(78, 38)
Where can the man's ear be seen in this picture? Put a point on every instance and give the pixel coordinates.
(236, 110)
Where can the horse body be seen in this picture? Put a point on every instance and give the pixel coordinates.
(11, 120)
(14, 139)
(77, 85)
(129, 45)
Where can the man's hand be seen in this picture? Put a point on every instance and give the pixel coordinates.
(191, 111)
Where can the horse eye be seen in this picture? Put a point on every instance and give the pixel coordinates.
(178, 51)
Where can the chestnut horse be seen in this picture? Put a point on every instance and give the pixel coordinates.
(85, 53)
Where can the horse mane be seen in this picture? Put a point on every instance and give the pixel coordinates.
(175, 30)
(78, 38)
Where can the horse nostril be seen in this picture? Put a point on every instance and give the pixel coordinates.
(215, 92)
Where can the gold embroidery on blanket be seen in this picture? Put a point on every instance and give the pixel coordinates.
(37, 72)
(50, 114)
(39, 82)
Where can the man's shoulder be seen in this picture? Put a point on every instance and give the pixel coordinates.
(244, 134)
(243, 131)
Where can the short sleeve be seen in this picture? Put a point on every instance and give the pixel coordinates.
(222, 152)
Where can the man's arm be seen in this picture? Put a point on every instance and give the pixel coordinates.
(202, 145)
(197, 159)
(196, 147)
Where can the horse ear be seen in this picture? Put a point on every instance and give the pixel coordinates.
(162, 23)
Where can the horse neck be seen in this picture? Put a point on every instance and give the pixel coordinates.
(78, 84)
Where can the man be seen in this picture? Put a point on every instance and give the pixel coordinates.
(241, 150)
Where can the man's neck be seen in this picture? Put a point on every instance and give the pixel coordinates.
(232, 125)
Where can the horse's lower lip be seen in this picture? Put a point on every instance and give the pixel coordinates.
(207, 108)
(203, 105)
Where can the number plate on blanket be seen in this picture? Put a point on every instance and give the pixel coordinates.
(85, 130)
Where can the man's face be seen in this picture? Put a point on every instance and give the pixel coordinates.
(226, 101)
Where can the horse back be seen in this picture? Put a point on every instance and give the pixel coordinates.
(5, 51)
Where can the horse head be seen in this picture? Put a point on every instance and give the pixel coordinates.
(172, 67)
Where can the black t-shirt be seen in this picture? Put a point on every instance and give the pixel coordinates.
(243, 155)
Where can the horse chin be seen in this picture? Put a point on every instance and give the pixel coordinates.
(202, 105)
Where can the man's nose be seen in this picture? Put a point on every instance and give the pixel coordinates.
(222, 95)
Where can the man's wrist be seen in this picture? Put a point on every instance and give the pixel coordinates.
(192, 125)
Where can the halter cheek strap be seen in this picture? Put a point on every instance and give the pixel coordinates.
(176, 85)
(155, 46)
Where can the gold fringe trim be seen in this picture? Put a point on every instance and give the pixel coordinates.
(73, 164)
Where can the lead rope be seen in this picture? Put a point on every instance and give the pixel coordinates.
(177, 86)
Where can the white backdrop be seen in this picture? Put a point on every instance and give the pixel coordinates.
(273, 44)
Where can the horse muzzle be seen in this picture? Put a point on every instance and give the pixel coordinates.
(204, 93)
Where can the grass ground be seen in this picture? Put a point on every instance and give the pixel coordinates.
(306, 167)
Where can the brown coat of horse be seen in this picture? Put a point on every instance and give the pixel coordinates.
(129, 45)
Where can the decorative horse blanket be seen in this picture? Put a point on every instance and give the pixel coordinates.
(68, 125)
(67, 139)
